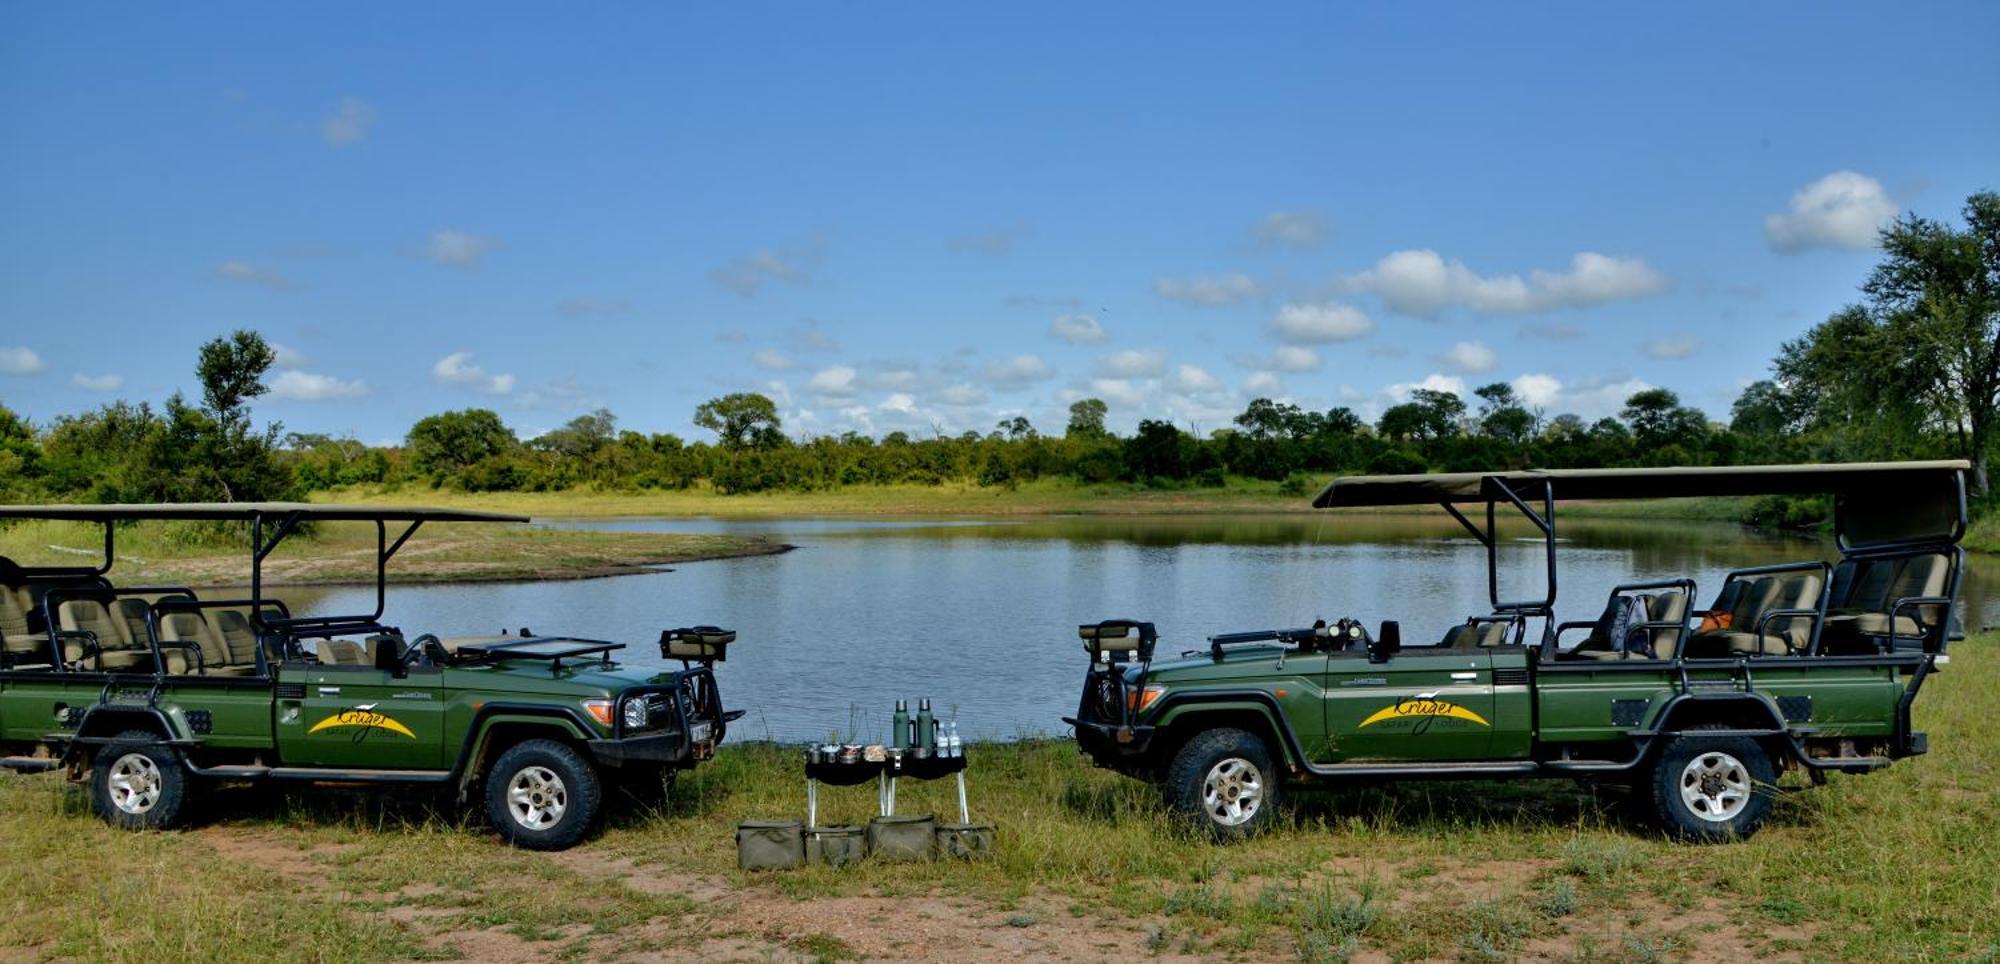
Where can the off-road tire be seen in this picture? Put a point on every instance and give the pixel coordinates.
(137, 783)
(1712, 789)
(1200, 780)
(543, 795)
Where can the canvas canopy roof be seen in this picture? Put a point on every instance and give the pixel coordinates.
(245, 511)
(1662, 483)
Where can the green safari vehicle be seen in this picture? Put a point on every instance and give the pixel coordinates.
(154, 694)
(1811, 665)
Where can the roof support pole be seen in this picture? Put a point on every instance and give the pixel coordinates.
(1484, 538)
(1544, 521)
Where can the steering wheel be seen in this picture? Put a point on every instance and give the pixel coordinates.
(421, 647)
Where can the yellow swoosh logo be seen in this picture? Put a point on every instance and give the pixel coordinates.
(363, 718)
(1403, 709)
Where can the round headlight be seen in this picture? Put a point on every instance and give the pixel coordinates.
(635, 713)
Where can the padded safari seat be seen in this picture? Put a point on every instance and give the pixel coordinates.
(1785, 636)
(116, 650)
(342, 652)
(20, 646)
(227, 642)
(1865, 590)
(1665, 607)
(1483, 634)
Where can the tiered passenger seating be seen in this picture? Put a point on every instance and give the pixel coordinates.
(1752, 631)
(1859, 617)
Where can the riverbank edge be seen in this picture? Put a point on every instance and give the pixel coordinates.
(602, 570)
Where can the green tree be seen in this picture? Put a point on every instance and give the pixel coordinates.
(1764, 410)
(1657, 418)
(1157, 450)
(1017, 428)
(1086, 419)
(454, 441)
(1428, 416)
(215, 451)
(1501, 414)
(742, 420)
(1936, 300)
(582, 436)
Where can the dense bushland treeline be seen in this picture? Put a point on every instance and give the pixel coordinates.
(1912, 370)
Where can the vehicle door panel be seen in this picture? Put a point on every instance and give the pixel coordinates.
(1416, 706)
(360, 717)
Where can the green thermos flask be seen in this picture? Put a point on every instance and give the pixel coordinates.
(899, 726)
(926, 726)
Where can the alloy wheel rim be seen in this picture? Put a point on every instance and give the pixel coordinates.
(1715, 787)
(537, 798)
(1233, 792)
(134, 783)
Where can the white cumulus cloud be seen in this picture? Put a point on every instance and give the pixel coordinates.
(1295, 229)
(1470, 357)
(1294, 358)
(1134, 363)
(1844, 209)
(962, 393)
(349, 123)
(1077, 329)
(834, 382)
(1538, 390)
(312, 387)
(285, 356)
(752, 272)
(1194, 380)
(248, 273)
(458, 369)
(97, 383)
(772, 360)
(21, 361)
(1435, 382)
(1673, 347)
(1018, 370)
(1423, 283)
(1118, 391)
(459, 249)
(1263, 383)
(1209, 292)
(1320, 324)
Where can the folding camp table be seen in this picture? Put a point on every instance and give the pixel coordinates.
(884, 773)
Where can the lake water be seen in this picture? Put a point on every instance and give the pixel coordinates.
(981, 616)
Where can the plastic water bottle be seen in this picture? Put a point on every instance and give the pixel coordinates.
(952, 747)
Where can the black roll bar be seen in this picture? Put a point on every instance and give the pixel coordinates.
(284, 526)
(1543, 520)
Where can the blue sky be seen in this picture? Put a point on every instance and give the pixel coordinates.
(889, 217)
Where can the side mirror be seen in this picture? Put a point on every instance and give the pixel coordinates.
(1387, 643)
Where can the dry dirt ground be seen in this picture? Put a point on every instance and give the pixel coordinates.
(758, 922)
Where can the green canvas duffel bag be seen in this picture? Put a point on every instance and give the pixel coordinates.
(770, 845)
(964, 840)
(902, 838)
(835, 846)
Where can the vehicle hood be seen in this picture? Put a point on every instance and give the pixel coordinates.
(1240, 662)
(580, 678)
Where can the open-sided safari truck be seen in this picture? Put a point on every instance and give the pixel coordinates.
(151, 693)
(1810, 665)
